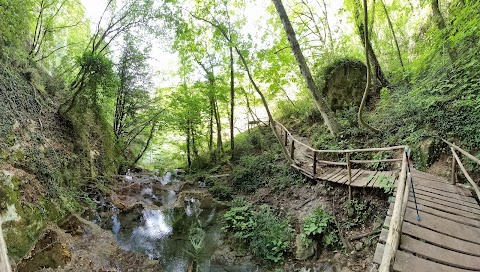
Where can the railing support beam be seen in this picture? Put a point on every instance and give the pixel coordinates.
(349, 171)
(454, 167)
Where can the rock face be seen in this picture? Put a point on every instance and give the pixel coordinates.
(345, 82)
(79, 245)
(303, 251)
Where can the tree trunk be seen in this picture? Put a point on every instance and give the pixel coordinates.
(264, 101)
(150, 136)
(394, 36)
(189, 155)
(368, 46)
(271, 121)
(219, 129)
(325, 111)
(232, 104)
(369, 79)
(210, 128)
(438, 18)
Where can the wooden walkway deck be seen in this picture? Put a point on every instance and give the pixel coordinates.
(447, 236)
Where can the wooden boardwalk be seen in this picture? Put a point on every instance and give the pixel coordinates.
(447, 235)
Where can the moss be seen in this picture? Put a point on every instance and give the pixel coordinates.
(10, 139)
(19, 155)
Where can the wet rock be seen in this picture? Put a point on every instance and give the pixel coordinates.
(358, 246)
(74, 225)
(304, 251)
(49, 252)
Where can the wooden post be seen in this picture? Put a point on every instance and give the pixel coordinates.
(292, 149)
(349, 171)
(454, 167)
(467, 176)
(314, 163)
(395, 229)
(286, 139)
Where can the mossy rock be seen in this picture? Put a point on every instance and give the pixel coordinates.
(345, 82)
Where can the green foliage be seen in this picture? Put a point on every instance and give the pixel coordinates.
(240, 221)
(221, 191)
(357, 212)
(272, 235)
(386, 183)
(266, 235)
(320, 226)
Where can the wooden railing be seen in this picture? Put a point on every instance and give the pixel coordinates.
(456, 160)
(289, 140)
(400, 206)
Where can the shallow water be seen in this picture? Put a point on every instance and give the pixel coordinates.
(178, 237)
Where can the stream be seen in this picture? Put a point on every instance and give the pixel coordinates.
(181, 228)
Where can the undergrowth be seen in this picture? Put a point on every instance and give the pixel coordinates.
(261, 232)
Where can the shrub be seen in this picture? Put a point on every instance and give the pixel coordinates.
(357, 212)
(272, 235)
(266, 235)
(320, 226)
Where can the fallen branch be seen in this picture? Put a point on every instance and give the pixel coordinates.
(364, 235)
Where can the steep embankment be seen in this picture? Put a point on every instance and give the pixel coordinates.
(46, 160)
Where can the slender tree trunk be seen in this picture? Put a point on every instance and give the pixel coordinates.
(194, 145)
(210, 128)
(368, 46)
(271, 121)
(232, 104)
(325, 111)
(369, 79)
(147, 145)
(438, 18)
(219, 129)
(189, 155)
(399, 54)
(264, 101)
(332, 46)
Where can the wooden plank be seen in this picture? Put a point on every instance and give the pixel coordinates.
(445, 208)
(438, 239)
(457, 218)
(339, 173)
(363, 179)
(436, 253)
(338, 177)
(408, 262)
(447, 194)
(377, 257)
(344, 180)
(445, 226)
(452, 200)
(442, 186)
(330, 174)
(445, 203)
(420, 174)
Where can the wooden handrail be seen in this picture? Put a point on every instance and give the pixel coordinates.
(465, 173)
(395, 229)
(468, 155)
(376, 149)
(456, 160)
